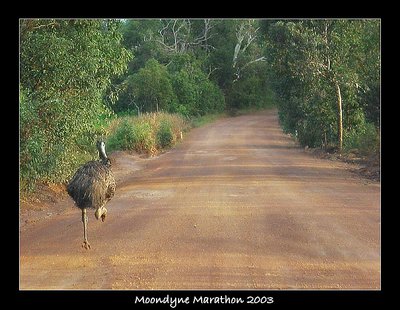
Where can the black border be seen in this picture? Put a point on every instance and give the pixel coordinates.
(281, 298)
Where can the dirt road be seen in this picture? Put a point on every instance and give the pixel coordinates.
(236, 205)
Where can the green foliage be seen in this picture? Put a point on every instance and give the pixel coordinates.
(137, 36)
(164, 135)
(148, 134)
(186, 92)
(365, 140)
(71, 56)
(308, 59)
(212, 99)
(252, 90)
(123, 138)
(196, 94)
(181, 88)
(45, 152)
(223, 41)
(369, 63)
(199, 58)
(149, 89)
(65, 69)
(132, 133)
(144, 141)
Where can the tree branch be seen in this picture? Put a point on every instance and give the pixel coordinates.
(210, 71)
(180, 32)
(262, 58)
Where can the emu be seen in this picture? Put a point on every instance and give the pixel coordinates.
(92, 186)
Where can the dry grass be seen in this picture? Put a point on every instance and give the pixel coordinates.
(141, 133)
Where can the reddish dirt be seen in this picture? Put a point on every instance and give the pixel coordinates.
(236, 205)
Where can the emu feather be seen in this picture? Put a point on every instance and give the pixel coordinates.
(92, 186)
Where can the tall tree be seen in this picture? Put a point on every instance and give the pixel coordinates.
(65, 68)
(318, 61)
(246, 51)
(151, 87)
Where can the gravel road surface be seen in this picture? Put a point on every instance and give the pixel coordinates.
(235, 205)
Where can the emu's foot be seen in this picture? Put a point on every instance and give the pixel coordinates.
(86, 245)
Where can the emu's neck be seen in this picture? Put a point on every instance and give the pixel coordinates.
(102, 154)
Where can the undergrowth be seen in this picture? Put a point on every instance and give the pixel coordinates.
(365, 141)
(150, 133)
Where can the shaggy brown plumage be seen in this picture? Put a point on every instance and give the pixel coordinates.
(92, 186)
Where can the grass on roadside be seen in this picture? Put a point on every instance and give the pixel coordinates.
(151, 133)
(148, 134)
(206, 119)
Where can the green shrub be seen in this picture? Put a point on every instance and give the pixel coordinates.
(143, 138)
(123, 138)
(48, 152)
(365, 140)
(66, 67)
(147, 90)
(164, 135)
(148, 133)
(196, 95)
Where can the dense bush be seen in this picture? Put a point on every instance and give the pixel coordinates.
(148, 134)
(196, 94)
(50, 150)
(212, 99)
(182, 88)
(312, 71)
(123, 138)
(144, 141)
(65, 69)
(365, 140)
(164, 135)
(251, 91)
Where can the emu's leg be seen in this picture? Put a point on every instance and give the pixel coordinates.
(85, 243)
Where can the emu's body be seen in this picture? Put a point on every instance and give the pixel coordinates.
(92, 186)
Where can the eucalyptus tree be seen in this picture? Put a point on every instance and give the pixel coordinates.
(170, 52)
(151, 88)
(317, 66)
(65, 69)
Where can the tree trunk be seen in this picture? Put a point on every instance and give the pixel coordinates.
(340, 118)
